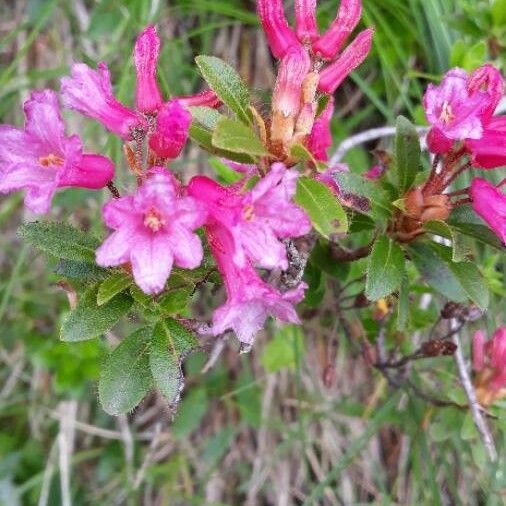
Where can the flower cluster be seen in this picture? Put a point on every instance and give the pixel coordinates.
(489, 363)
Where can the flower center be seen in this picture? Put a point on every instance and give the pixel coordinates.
(446, 113)
(248, 213)
(154, 220)
(50, 160)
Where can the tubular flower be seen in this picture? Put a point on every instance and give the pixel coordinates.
(148, 98)
(153, 229)
(489, 363)
(489, 152)
(90, 92)
(487, 80)
(333, 75)
(348, 16)
(305, 21)
(172, 127)
(490, 204)
(258, 219)
(320, 139)
(206, 98)
(40, 158)
(249, 299)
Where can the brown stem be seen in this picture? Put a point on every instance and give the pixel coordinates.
(114, 191)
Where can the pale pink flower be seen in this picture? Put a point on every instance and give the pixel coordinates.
(279, 34)
(172, 128)
(90, 92)
(490, 204)
(40, 158)
(335, 73)
(148, 98)
(320, 139)
(153, 229)
(257, 219)
(452, 110)
(249, 299)
(331, 42)
(491, 355)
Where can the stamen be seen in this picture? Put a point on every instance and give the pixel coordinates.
(446, 113)
(50, 160)
(154, 220)
(248, 213)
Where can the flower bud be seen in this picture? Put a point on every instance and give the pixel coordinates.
(305, 20)
(487, 79)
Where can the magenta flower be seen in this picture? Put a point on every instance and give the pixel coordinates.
(153, 230)
(487, 80)
(330, 43)
(452, 110)
(258, 219)
(490, 204)
(148, 98)
(172, 128)
(375, 172)
(40, 158)
(320, 139)
(249, 299)
(489, 361)
(334, 74)
(306, 27)
(207, 98)
(90, 92)
(489, 152)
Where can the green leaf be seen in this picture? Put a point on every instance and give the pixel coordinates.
(280, 352)
(498, 11)
(125, 377)
(472, 283)
(407, 149)
(206, 116)
(385, 269)
(85, 272)
(227, 84)
(321, 257)
(175, 301)
(60, 240)
(460, 249)
(301, 154)
(479, 232)
(169, 346)
(436, 272)
(89, 320)
(403, 304)
(322, 207)
(224, 172)
(232, 135)
(114, 284)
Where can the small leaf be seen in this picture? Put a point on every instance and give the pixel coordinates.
(479, 232)
(61, 240)
(114, 284)
(170, 344)
(322, 207)
(301, 154)
(232, 135)
(227, 84)
(175, 301)
(407, 149)
(85, 272)
(385, 270)
(206, 116)
(125, 377)
(460, 249)
(89, 320)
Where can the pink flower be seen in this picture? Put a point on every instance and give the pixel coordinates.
(279, 34)
(90, 92)
(490, 204)
(489, 361)
(172, 127)
(206, 98)
(487, 80)
(333, 75)
(452, 110)
(258, 219)
(489, 152)
(40, 158)
(375, 172)
(146, 52)
(320, 139)
(331, 42)
(329, 177)
(437, 142)
(306, 27)
(249, 299)
(153, 229)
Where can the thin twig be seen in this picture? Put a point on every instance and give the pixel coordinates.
(474, 406)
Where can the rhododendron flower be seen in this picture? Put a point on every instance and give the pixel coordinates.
(306, 27)
(249, 299)
(375, 172)
(487, 80)
(320, 139)
(489, 362)
(490, 204)
(257, 219)
(172, 128)
(40, 158)
(489, 152)
(90, 92)
(333, 75)
(153, 230)
(148, 98)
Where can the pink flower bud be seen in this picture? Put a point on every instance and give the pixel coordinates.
(348, 16)
(487, 79)
(490, 204)
(90, 171)
(498, 350)
(320, 139)
(207, 98)
(375, 172)
(437, 142)
(279, 35)
(172, 127)
(333, 75)
(479, 350)
(146, 52)
(489, 151)
(305, 20)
